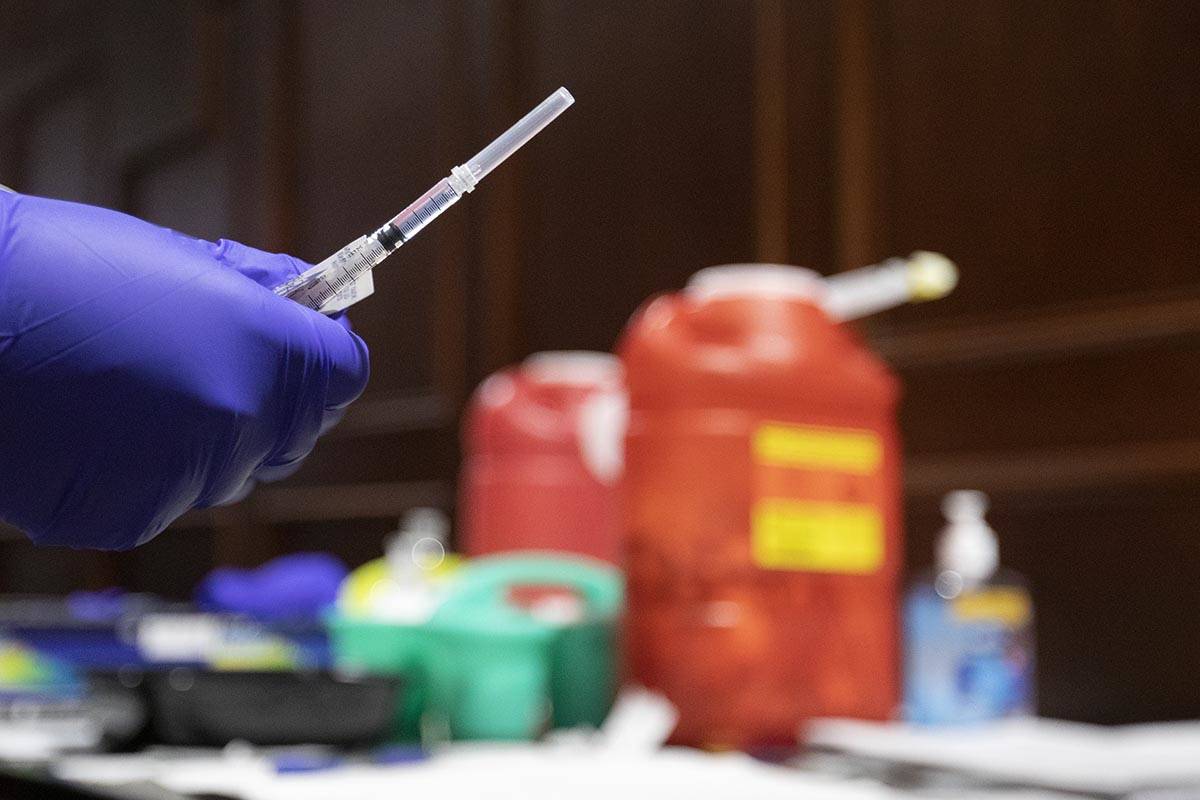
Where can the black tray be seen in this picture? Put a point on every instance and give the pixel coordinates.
(197, 707)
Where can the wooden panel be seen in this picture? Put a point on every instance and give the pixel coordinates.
(1090, 399)
(57, 155)
(33, 32)
(1130, 321)
(154, 54)
(425, 454)
(188, 193)
(358, 545)
(811, 136)
(1048, 147)
(491, 74)
(46, 110)
(650, 176)
(332, 503)
(856, 152)
(770, 132)
(172, 564)
(1048, 472)
(27, 569)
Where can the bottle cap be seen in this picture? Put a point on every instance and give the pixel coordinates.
(968, 545)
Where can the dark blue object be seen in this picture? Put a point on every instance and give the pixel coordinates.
(290, 763)
(144, 373)
(105, 605)
(91, 630)
(85, 647)
(295, 587)
(392, 755)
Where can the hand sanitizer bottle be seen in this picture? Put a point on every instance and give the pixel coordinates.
(968, 627)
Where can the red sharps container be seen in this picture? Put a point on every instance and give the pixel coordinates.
(543, 459)
(762, 507)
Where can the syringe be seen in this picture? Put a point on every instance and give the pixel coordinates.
(332, 285)
(869, 290)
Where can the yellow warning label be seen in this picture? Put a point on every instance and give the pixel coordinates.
(1007, 606)
(817, 536)
(811, 447)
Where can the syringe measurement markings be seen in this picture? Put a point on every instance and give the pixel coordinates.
(348, 275)
(349, 266)
(427, 212)
(371, 254)
(374, 252)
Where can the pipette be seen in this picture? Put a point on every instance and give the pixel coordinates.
(869, 290)
(339, 280)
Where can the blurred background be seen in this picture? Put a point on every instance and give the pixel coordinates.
(1048, 148)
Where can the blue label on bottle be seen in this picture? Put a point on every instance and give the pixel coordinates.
(967, 667)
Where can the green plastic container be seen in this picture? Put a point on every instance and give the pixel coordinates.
(412, 651)
(500, 684)
(583, 678)
(489, 668)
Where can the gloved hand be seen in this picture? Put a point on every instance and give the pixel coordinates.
(143, 373)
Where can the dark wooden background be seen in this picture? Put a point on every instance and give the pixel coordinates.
(1050, 148)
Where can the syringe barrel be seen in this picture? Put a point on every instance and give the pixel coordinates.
(526, 128)
(425, 209)
(322, 283)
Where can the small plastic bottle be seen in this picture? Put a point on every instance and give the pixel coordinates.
(411, 591)
(968, 627)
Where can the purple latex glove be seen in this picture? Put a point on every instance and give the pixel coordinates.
(295, 587)
(144, 373)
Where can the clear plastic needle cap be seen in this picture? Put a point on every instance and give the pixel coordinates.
(526, 128)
